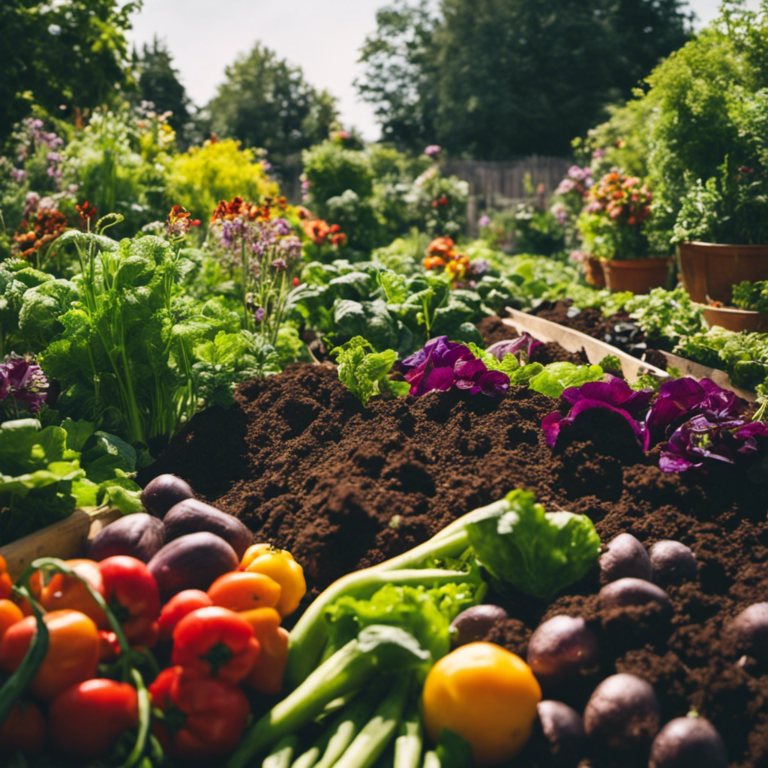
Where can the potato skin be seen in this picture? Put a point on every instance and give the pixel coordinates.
(140, 535)
(562, 730)
(193, 516)
(688, 742)
(193, 561)
(473, 625)
(164, 492)
(629, 591)
(672, 562)
(751, 628)
(622, 714)
(625, 557)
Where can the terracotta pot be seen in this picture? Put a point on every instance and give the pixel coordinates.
(733, 319)
(593, 272)
(636, 275)
(712, 270)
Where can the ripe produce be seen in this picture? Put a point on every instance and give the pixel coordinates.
(71, 657)
(686, 742)
(279, 566)
(634, 592)
(245, 591)
(24, 729)
(193, 561)
(178, 607)
(622, 714)
(563, 731)
(560, 649)
(672, 562)
(164, 492)
(193, 516)
(473, 625)
(139, 535)
(69, 592)
(486, 695)
(625, 557)
(10, 613)
(86, 719)
(751, 627)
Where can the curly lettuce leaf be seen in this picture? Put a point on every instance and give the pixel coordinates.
(556, 377)
(363, 371)
(537, 552)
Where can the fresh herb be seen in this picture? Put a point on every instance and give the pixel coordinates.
(752, 296)
(666, 317)
(538, 552)
(363, 371)
(611, 364)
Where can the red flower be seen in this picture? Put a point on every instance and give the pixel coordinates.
(296, 282)
(86, 212)
(339, 239)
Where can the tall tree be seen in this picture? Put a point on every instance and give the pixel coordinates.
(266, 102)
(157, 81)
(496, 79)
(61, 55)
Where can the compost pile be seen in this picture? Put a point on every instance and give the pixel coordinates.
(343, 486)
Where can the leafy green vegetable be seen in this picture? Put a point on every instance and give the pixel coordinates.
(364, 373)
(752, 296)
(556, 377)
(611, 364)
(666, 316)
(538, 552)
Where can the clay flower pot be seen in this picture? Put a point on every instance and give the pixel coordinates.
(635, 275)
(593, 272)
(711, 270)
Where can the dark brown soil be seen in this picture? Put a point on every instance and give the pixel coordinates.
(306, 466)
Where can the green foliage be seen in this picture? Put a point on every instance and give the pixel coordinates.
(666, 317)
(556, 377)
(331, 170)
(611, 364)
(74, 53)
(265, 102)
(538, 552)
(752, 296)
(363, 370)
(437, 75)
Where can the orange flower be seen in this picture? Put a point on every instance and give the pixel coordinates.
(338, 239)
(86, 212)
(317, 230)
(433, 262)
(441, 246)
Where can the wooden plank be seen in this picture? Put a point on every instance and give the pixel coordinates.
(574, 341)
(65, 539)
(699, 371)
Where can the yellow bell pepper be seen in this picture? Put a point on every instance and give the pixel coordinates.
(280, 566)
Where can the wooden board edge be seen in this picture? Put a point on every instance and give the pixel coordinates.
(700, 371)
(65, 539)
(574, 341)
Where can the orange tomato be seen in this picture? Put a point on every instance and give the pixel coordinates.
(10, 614)
(5, 580)
(72, 656)
(239, 591)
(68, 592)
(486, 695)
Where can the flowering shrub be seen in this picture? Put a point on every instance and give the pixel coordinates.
(611, 223)
(22, 381)
(36, 233)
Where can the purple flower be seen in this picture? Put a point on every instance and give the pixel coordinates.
(683, 398)
(522, 345)
(291, 247)
(23, 380)
(479, 267)
(18, 174)
(279, 265)
(305, 185)
(433, 150)
(613, 395)
(281, 227)
(261, 313)
(484, 221)
(565, 186)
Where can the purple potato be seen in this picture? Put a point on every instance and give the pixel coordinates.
(625, 556)
(633, 592)
(672, 562)
(193, 516)
(164, 492)
(563, 731)
(751, 627)
(688, 742)
(140, 535)
(560, 649)
(473, 625)
(194, 561)
(622, 714)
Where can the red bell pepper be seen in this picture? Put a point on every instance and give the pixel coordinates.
(23, 729)
(178, 607)
(131, 592)
(88, 718)
(215, 642)
(203, 718)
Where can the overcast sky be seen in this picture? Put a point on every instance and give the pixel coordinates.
(321, 36)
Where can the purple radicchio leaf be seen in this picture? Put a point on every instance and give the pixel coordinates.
(23, 380)
(443, 352)
(553, 423)
(683, 398)
(522, 345)
(748, 435)
(615, 392)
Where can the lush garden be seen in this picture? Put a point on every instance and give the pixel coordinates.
(362, 519)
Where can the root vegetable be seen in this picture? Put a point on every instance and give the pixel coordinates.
(140, 535)
(473, 625)
(634, 592)
(625, 557)
(560, 649)
(164, 492)
(686, 742)
(622, 714)
(563, 731)
(751, 627)
(672, 562)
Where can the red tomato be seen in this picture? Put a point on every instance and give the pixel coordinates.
(23, 729)
(178, 607)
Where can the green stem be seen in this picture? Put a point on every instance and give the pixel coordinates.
(410, 740)
(282, 753)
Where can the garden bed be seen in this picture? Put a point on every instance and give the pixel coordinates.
(343, 486)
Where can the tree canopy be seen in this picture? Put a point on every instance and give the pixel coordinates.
(266, 102)
(495, 79)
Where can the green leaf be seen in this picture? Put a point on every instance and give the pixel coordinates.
(78, 433)
(362, 372)
(556, 377)
(126, 500)
(395, 286)
(538, 552)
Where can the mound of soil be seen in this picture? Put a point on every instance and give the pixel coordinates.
(342, 486)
